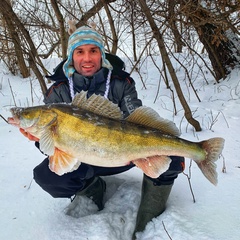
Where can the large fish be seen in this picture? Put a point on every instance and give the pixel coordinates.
(92, 131)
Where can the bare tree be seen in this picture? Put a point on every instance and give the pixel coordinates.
(34, 61)
(139, 30)
(159, 38)
(17, 51)
(172, 20)
(113, 29)
(211, 23)
(63, 33)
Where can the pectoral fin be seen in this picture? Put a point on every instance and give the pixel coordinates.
(153, 166)
(46, 142)
(62, 162)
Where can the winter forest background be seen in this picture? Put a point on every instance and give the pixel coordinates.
(32, 31)
(184, 56)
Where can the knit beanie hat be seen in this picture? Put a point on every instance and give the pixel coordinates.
(81, 36)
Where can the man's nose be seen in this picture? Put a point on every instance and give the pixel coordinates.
(87, 56)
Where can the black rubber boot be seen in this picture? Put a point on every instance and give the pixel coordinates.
(153, 203)
(95, 191)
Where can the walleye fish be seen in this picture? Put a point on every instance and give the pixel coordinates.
(93, 131)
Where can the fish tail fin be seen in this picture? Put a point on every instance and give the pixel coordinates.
(213, 148)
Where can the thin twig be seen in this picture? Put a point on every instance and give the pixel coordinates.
(225, 119)
(4, 118)
(224, 169)
(12, 92)
(166, 230)
(189, 180)
(30, 184)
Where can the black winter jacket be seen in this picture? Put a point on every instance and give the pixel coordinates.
(122, 89)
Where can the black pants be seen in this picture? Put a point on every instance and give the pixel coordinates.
(70, 183)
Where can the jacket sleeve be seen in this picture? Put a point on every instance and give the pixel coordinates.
(57, 93)
(129, 100)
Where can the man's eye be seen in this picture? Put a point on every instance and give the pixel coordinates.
(78, 51)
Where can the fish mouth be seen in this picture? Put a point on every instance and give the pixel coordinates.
(15, 120)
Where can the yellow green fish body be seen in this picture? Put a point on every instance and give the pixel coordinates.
(92, 131)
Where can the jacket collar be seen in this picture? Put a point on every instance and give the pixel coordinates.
(92, 84)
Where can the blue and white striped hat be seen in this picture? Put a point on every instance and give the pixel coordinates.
(81, 36)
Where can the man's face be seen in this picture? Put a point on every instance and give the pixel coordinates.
(87, 59)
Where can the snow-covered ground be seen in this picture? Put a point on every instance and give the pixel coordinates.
(27, 212)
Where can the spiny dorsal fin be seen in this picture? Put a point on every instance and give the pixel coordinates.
(146, 116)
(98, 105)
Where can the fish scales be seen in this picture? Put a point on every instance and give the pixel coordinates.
(117, 139)
(74, 133)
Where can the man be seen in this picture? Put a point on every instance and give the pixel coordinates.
(87, 69)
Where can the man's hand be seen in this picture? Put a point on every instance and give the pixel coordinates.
(28, 135)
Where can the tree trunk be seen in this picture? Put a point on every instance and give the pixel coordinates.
(220, 54)
(92, 11)
(17, 47)
(113, 30)
(6, 8)
(158, 36)
(210, 29)
(172, 23)
(63, 32)
(132, 5)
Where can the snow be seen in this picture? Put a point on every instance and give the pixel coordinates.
(27, 212)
